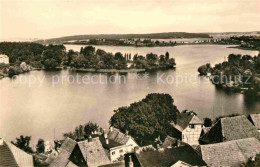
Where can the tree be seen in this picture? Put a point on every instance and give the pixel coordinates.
(147, 119)
(90, 127)
(162, 59)
(207, 122)
(151, 59)
(40, 147)
(23, 143)
(52, 56)
(82, 132)
(167, 56)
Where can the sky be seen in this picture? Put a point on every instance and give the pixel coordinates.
(57, 18)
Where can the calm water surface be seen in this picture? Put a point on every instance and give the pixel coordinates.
(37, 109)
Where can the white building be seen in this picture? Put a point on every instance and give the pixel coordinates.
(4, 59)
(189, 126)
(116, 143)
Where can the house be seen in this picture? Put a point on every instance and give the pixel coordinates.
(4, 59)
(93, 152)
(119, 137)
(69, 153)
(181, 156)
(10, 155)
(116, 143)
(170, 142)
(255, 120)
(230, 153)
(189, 127)
(230, 128)
(88, 153)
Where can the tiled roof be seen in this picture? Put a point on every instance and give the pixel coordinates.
(231, 153)
(118, 136)
(169, 157)
(12, 156)
(65, 151)
(185, 118)
(230, 128)
(255, 118)
(93, 152)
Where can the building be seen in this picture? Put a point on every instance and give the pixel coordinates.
(184, 156)
(255, 120)
(88, 153)
(10, 155)
(189, 126)
(230, 128)
(116, 143)
(4, 59)
(93, 152)
(124, 139)
(231, 153)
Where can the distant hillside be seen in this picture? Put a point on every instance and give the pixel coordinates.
(165, 35)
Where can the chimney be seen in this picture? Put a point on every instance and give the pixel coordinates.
(126, 132)
(1, 141)
(111, 128)
(107, 141)
(89, 139)
(104, 134)
(130, 163)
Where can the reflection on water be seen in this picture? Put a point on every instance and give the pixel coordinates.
(40, 107)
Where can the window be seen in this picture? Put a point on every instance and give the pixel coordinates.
(113, 153)
(192, 126)
(120, 151)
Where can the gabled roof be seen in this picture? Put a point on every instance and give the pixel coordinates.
(66, 150)
(231, 153)
(255, 119)
(230, 128)
(118, 136)
(12, 156)
(169, 157)
(93, 152)
(185, 118)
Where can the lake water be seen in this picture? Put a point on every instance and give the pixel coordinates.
(46, 104)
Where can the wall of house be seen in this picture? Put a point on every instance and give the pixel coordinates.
(191, 135)
(4, 60)
(118, 152)
(132, 145)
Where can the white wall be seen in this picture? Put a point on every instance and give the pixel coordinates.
(191, 136)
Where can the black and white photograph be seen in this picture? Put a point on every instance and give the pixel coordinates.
(129, 83)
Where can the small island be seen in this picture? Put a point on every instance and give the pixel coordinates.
(238, 74)
(25, 56)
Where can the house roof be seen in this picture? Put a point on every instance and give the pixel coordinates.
(231, 153)
(93, 152)
(65, 151)
(168, 157)
(118, 136)
(185, 118)
(169, 142)
(230, 128)
(111, 143)
(255, 118)
(12, 156)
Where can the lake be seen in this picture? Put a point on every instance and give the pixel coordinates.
(38, 101)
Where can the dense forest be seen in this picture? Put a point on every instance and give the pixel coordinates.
(239, 72)
(147, 119)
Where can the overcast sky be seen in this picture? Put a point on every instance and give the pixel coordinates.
(55, 18)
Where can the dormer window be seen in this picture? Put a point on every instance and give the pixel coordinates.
(192, 126)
